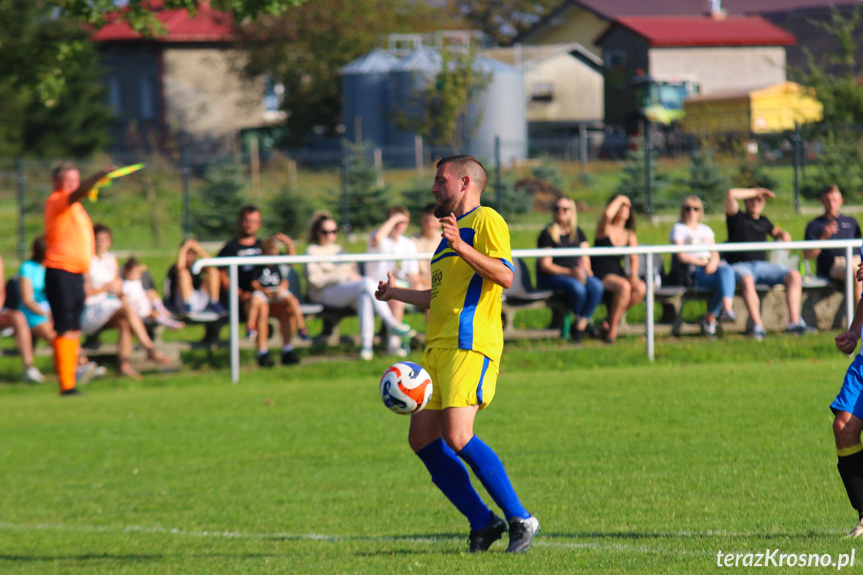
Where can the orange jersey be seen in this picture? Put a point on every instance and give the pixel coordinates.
(68, 234)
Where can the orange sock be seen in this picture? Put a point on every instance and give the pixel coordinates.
(66, 361)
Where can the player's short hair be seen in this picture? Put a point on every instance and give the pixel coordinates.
(398, 210)
(58, 170)
(467, 166)
(429, 210)
(248, 209)
(829, 189)
(99, 228)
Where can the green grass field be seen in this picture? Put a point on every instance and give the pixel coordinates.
(631, 468)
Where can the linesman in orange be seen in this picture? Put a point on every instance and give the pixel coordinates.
(70, 246)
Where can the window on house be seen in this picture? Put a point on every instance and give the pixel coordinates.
(542, 92)
(273, 94)
(115, 96)
(614, 58)
(148, 98)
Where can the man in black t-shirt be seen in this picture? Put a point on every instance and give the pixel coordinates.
(245, 244)
(752, 267)
(833, 226)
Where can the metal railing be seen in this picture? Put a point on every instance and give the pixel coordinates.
(233, 263)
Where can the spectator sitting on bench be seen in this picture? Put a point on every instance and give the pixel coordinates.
(24, 342)
(103, 307)
(143, 299)
(246, 243)
(33, 302)
(341, 285)
(616, 228)
(270, 287)
(191, 293)
(833, 226)
(752, 267)
(704, 269)
(427, 242)
(390, 239)
(571, 275)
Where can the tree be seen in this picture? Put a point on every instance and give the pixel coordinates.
(41, 58)
(217, 203)
(706, 179)
(366, 200)
(633, 181)
(441, 113)
(47, 75)
(304, 49)
(835, 78)
(502, 20)
(139, 13)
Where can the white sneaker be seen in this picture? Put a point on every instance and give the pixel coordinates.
(366, 354)
(397, 351)
(403, 330)
(33, 375)
(857, 531)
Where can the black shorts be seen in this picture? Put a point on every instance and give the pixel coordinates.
(65, 293)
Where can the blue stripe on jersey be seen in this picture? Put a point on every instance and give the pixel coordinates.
(446, 255)
(465, 318)
(508, 264)
(467, 236)
(485, 363)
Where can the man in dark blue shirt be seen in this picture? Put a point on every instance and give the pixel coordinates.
(833, 226)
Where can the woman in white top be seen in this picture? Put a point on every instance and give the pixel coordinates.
(342, 285)
(708, 270)
(104, 307)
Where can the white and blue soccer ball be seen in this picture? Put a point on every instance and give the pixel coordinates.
(406, 387)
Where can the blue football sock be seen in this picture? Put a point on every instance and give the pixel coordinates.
(451, 477)
(489, 469)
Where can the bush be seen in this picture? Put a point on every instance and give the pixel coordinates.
(217, 203)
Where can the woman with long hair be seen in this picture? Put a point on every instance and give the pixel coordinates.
(570, 275)
(616, 228)
(342, 285)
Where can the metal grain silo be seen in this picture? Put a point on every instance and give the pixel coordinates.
(502, 113)
(407, 80)
(364, 89)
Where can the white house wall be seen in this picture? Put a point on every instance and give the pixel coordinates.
(722, 69)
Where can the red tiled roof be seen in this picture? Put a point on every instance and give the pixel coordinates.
(613, 9)
(208, 25)
(691, 31)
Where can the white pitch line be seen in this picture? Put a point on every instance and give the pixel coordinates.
(540, 542)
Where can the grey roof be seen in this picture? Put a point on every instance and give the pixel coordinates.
(375, 61)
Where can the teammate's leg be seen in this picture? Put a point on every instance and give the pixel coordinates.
(448, 473)
(846, 430)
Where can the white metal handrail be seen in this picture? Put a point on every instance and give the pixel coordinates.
(232, 263)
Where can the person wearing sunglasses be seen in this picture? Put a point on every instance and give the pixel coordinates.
(341, 285)
(704, 269)
(570, 275)
(752, 267)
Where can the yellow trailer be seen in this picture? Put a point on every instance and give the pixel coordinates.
(772, 109)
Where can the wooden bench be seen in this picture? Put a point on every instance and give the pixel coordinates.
(521, 295)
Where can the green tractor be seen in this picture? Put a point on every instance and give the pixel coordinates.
(659, 100)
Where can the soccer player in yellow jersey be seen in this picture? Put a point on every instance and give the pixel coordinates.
(464, 339)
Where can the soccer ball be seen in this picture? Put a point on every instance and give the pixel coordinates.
(406, 387)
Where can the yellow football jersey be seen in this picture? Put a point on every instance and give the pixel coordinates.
(465, 308)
